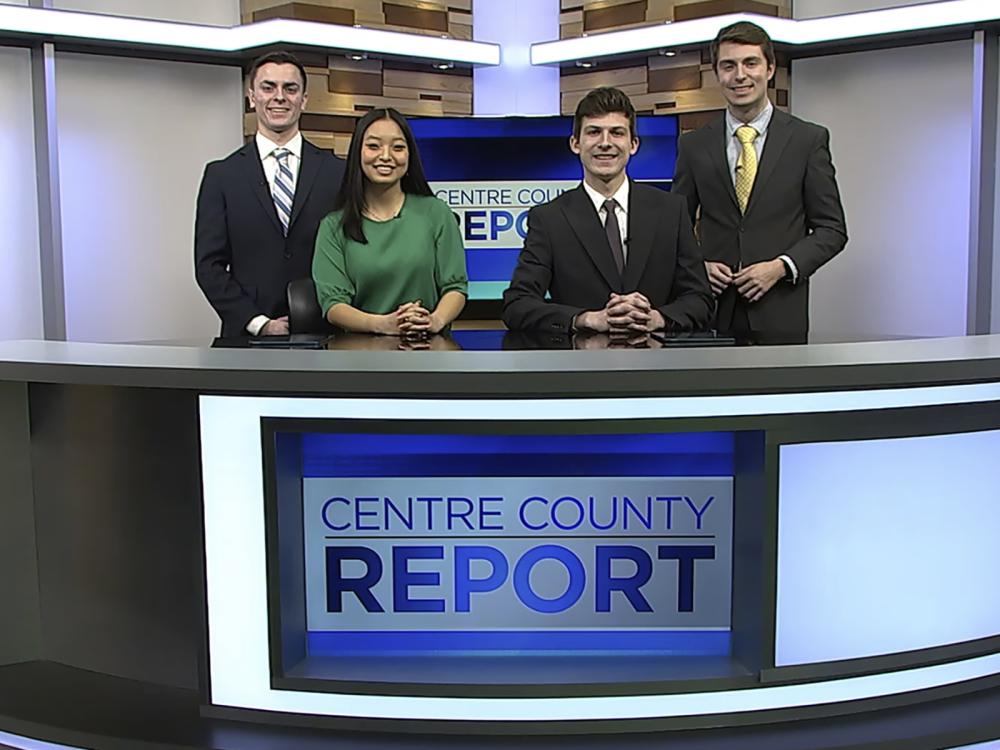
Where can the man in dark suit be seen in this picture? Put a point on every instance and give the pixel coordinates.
(259, 208)
(765, 184)
(613, 255)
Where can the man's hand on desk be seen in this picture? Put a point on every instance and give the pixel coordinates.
(630, 313)
(622, 314)
(275, 327)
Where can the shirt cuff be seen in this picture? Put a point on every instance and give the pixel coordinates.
(791, 267)
(256, 324)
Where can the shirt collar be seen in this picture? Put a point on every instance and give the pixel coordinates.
(621, 195)
(265, 146)
(759, 123)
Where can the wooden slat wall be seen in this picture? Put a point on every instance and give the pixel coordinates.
(341, 89)
(683, 84)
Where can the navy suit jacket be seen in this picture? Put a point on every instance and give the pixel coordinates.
(243, 261)
(566, 254)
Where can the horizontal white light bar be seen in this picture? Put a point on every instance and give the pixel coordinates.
(24, 743)
(50, 23)
(784, 30)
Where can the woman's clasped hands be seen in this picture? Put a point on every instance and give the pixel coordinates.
(413, 320)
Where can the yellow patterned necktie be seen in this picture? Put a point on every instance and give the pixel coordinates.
(746, 165)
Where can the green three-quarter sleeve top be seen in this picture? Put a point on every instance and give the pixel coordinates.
(416, 256)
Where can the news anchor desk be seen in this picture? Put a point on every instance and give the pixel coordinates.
(694, 547)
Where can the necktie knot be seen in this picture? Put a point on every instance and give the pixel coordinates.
(610, 205)
(746, 134)
(281, 154)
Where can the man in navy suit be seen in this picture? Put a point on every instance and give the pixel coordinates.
(259, 208)
(612, 255)
(764, 182)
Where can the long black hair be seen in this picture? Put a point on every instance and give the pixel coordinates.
(351, 198)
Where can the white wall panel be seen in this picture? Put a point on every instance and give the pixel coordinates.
(20, 281)
(900, 123)
(134, 136)
(212, 12)
(995, 318)
(815, 8)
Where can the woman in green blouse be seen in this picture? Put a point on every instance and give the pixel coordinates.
(389, 259)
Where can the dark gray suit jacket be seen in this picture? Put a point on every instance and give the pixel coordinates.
(566, 254)
(794, 210)
(243, 261)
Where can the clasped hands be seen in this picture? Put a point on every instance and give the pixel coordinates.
(752, 282)
(413, 320)
(624, 314)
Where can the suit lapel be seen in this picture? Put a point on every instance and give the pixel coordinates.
(588, 229)
(642, 223)
(778, 133)
(308, 169)
(719, 154)
(258, 182)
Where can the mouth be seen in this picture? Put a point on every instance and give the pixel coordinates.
(278, 111)
(741, 89)
(384, 169)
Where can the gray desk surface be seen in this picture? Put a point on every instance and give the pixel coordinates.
(683, 371)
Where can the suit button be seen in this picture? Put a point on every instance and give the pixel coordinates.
(287, 255)
(741, 229)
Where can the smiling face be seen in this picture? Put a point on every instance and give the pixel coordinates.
(605, 144)
(743, 73)
(385, 155)
(278, 96)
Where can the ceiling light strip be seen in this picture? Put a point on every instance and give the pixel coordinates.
(921, 17)
(135, 31)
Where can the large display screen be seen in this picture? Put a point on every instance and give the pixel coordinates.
(491, 171)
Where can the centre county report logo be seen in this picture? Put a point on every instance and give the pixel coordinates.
(518, 553)
(495, 214)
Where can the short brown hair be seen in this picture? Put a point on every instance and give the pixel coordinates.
(279, 58)
(604, 101)
(743, 32)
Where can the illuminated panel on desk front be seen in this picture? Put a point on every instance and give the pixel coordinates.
(887, 545)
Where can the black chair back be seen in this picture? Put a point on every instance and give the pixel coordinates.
(304, 313)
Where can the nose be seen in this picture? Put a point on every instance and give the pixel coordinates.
(605, 138)
(384, 154)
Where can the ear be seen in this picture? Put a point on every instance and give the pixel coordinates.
(770, 71)
(250, 98)
(305, 98)
(574, 144)
(635, 145)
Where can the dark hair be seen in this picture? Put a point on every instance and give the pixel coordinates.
(742, 32)
(279, 58)
(351, 197)
(604, 101)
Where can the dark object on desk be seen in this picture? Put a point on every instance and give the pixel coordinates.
(291, 341)
(304, 312)
(694, 338)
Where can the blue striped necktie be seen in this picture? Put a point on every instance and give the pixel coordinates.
(283, 191)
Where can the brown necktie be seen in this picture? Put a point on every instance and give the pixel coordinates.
(614, 233)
